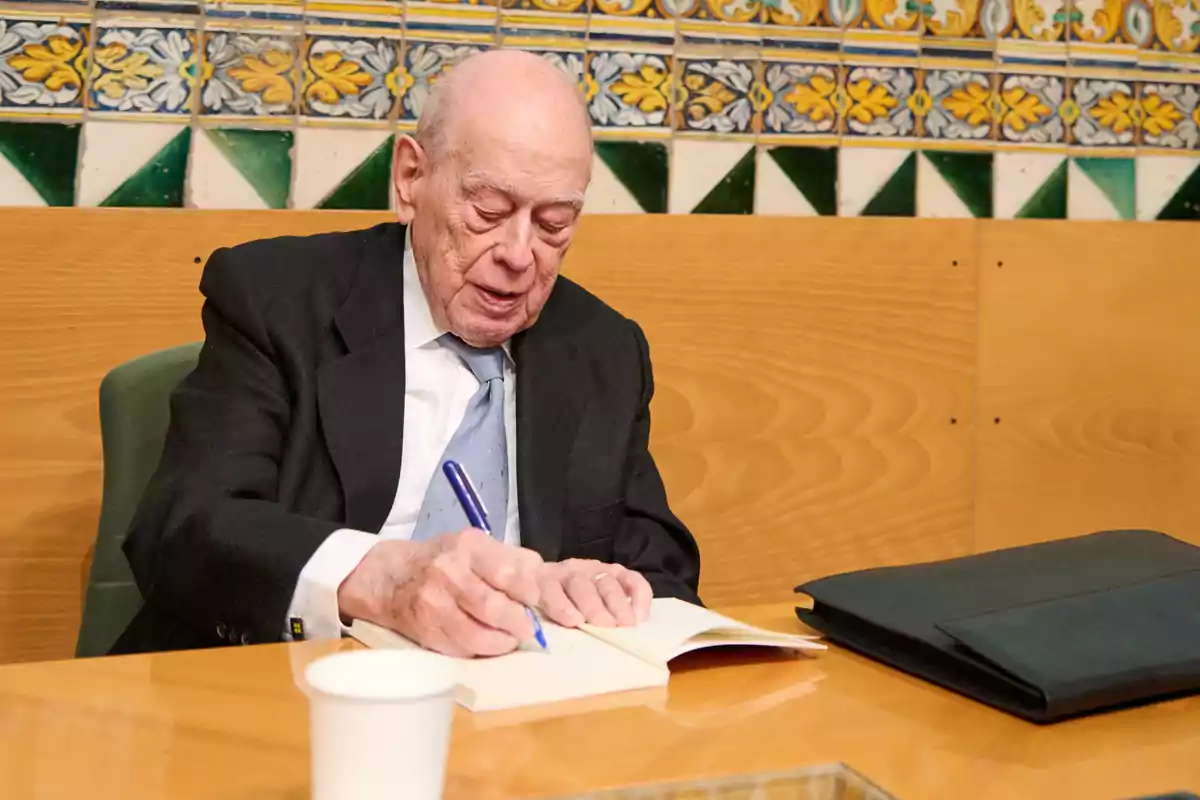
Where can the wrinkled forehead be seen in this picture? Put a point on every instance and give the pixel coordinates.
(522, 167)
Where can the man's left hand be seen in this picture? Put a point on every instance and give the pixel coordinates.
(609, 595)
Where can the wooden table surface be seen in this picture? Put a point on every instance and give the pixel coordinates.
(231, 723)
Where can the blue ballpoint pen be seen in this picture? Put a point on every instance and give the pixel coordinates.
(476, 513)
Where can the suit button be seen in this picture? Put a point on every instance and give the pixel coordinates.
(221, 630)
(245, 637)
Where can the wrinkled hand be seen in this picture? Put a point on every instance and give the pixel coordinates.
(577, 591)
(461, 594)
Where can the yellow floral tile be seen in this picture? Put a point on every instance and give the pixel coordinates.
(1170, 115)
(352, 78)
(960, 105)
(801, 13)
(42, 64)
(1038, 20)
(800, 99)
(717, 96)
(880, 101)
(1111, 23)
(139, 69)
(1109, 113)
(895, 16)
(628, 90)
(1175, 27)
(249, 74)
(954, 19)
(1033, 109)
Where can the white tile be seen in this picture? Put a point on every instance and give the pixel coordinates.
(214, 182)
(1158, 179)
(935, 197)
(775, 194)
(113, 151)
(698, 166)
(325, 156)
(1085, 200)
(14, 189)
(606, 194)
(862, 172)
(1016, 177)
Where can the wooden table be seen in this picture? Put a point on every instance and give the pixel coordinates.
(231, 723)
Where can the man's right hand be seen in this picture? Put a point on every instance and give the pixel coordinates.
(462, 594)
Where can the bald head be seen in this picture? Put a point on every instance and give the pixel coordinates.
(506, 93)
(492, 187)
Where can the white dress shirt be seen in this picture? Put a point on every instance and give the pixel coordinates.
(437, 388)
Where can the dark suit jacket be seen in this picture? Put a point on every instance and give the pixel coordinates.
(290, 428)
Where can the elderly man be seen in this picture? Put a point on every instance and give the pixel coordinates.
(301, 483)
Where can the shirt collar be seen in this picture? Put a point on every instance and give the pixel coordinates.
(420, 330)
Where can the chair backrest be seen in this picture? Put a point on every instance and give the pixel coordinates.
(134, 413)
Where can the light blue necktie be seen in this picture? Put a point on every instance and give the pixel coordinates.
(478, 445)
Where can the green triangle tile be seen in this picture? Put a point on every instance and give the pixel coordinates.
(366, 188)
(1185, 203)
(1115, 177)
(45, 155)
(1050, 199)
(969, 175)
(813, 171)
(733, 194)
(264, 158)
(159, 182)
(641, 167)
(897, 197)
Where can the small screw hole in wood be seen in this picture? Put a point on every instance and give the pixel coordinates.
(196, 260)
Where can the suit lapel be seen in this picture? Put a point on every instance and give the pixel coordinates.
(361, 394)
(550, 403)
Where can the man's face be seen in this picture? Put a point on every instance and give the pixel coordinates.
(491, 223)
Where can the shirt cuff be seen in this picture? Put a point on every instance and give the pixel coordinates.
(314, 603)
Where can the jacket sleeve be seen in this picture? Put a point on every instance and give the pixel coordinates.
(652, 540)
(209, 545)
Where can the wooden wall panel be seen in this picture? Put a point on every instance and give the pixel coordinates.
(807, 374)
(1090, 359)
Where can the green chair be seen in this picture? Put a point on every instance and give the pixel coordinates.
(134, 413)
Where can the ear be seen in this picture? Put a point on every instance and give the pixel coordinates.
(408, 166)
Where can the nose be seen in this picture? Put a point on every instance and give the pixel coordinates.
(516, 247)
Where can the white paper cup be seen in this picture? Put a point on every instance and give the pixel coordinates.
(380, 724)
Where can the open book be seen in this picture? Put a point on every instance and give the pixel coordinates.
(591, 661)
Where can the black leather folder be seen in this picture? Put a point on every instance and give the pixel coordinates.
(1047, 631)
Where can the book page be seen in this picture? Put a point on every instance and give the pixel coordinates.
(574, 665)
(676, 627)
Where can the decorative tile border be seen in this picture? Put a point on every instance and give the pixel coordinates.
(43, 64)
(857, 106)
